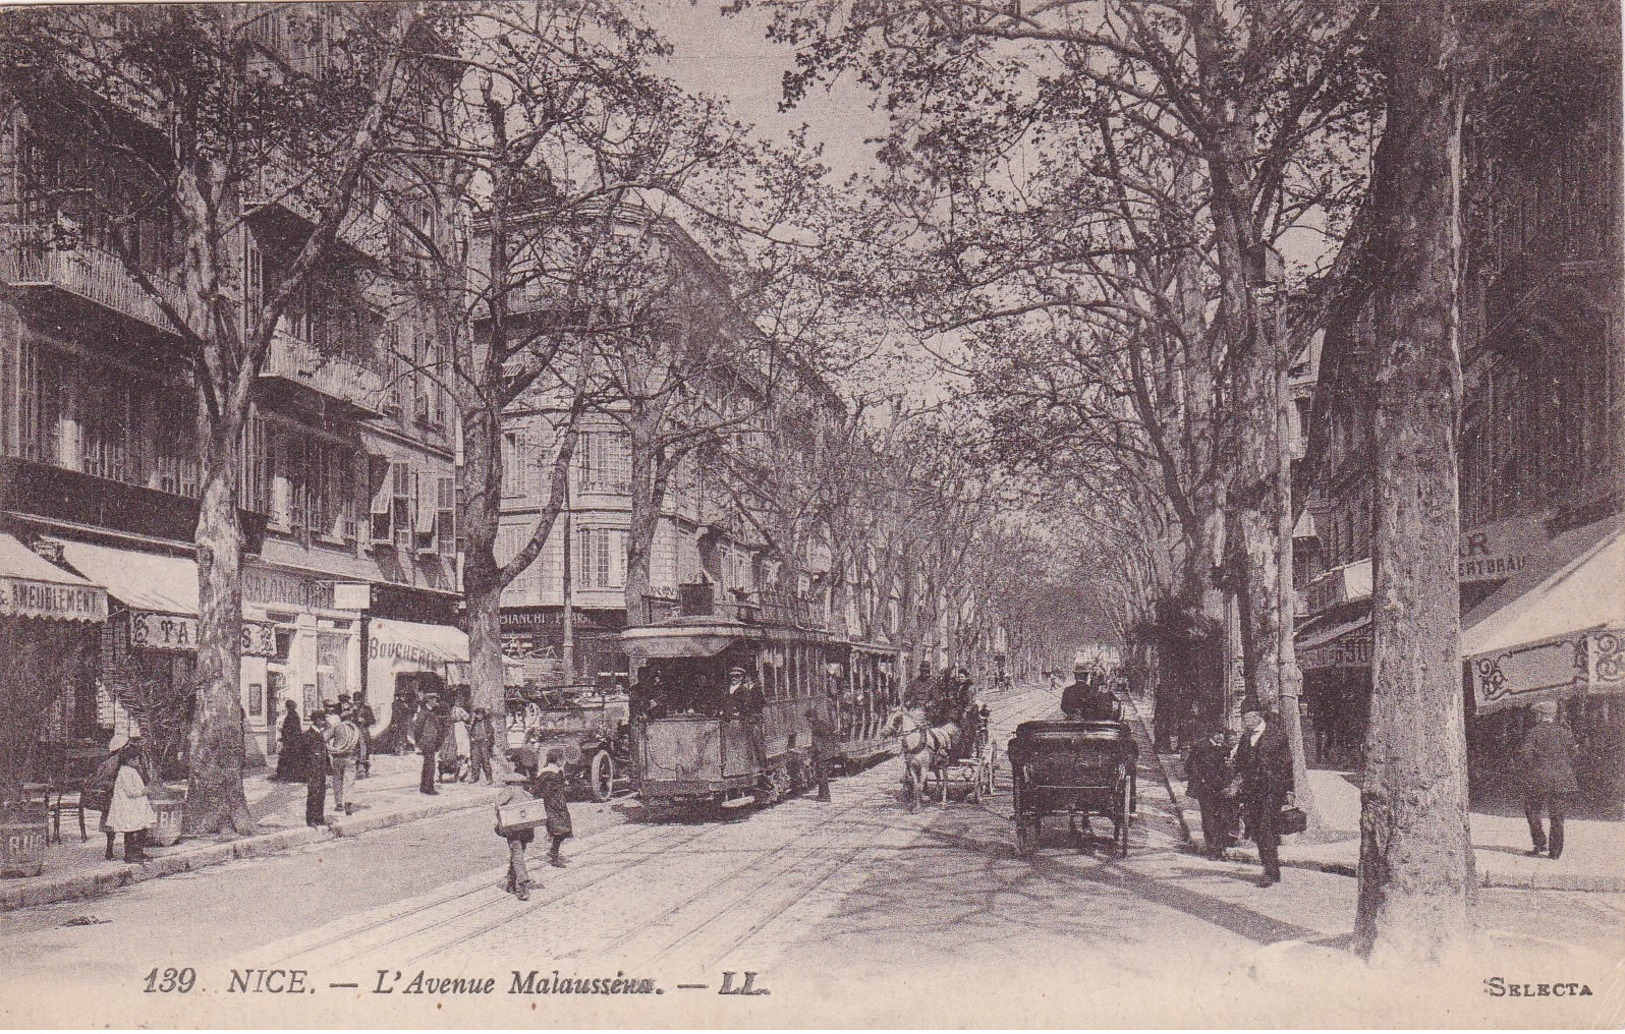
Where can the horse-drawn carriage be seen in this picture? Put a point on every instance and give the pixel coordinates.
(955, 754)
(1072, 768)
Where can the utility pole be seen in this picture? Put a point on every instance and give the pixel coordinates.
(1291, 679)
(567, 646)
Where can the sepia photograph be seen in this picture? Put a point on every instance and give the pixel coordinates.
(797, 514)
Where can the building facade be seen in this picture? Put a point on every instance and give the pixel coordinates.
(347, 480)
(1540, 448)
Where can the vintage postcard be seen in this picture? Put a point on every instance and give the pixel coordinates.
(812, 514)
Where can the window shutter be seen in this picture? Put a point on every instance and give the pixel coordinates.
(446, 516)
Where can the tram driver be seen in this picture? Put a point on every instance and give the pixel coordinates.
(741, 698)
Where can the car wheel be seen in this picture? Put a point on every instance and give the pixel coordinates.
(602, 776)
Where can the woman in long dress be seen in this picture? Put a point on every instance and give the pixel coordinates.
(462, 743)
(130, 812)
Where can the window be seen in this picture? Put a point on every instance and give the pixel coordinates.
(403, 486)
(514, 481)
(600, 560)
(446, 516)
(604, 462)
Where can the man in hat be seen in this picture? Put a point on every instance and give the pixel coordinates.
(1547, 757)
(430, 733)
(1086, 699)
(314, 753)
(741, 698)
(1211, 773)
(1264, 763)
(824, 743)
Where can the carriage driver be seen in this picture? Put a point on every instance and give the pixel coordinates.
(1087, 699)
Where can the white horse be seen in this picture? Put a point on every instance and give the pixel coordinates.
(925, 749)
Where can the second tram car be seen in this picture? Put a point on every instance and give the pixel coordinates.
(692, 742)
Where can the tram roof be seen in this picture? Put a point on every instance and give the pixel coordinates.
(704, 636)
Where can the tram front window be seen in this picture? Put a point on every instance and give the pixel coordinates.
(702, 687)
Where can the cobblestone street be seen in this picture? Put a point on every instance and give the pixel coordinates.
(818, 900)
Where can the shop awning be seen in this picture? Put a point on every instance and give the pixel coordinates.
(141, 581)
(1556, 627)
(31, 587)
(418, 643)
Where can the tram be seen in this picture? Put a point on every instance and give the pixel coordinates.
(690, 744)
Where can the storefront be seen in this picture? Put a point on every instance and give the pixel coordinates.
(1555, 630)
(50, 630)
(295, 646)
(535, 635)
(404, 660)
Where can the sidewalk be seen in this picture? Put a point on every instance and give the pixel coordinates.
(388, 797)
(1590, 862)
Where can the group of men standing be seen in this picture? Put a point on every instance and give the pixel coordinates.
(1246, 775)
(332, 746)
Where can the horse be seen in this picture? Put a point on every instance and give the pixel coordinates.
(924, 749)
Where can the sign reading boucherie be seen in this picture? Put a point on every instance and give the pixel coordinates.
(22, 598)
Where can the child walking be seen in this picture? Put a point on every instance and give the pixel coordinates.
(519, 881)
(549, 785)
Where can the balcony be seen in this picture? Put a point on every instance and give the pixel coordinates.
(297, 367)
(274, 197)
(85, 273)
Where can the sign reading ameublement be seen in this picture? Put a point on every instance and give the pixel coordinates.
(20, 597)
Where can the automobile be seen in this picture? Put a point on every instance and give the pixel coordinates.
(591, 725)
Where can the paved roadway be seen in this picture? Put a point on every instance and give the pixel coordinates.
(848, 911)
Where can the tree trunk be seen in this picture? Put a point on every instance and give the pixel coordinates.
(214, 796)
(1417, 886)
(482, 581)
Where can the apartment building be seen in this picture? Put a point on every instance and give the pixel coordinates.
(708, 530)
(1541, 312)
(347, 482)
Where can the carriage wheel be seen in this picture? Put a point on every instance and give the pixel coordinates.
(602, 776)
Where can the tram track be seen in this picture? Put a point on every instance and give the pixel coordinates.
(605, 842)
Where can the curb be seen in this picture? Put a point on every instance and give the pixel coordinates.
(1191, 819)
(260, 845)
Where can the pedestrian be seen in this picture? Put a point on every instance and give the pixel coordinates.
(362, 718)
(1211, 780)
(313, 758)
(429, 734)
(519, 789)
(341, 738)
(462, 745)
(1547, 763)
(824, 742)
(549, 786)
(287, 758)
(481, 738)
(98, 790)
(1264, 764)
(128, 810)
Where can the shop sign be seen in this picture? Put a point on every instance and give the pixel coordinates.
(352, 595)
(259, 639)
(26, 599)
(261, 585)
(172, 633)
(1350, 651)
(168, 632)
(1499, 550)
(552, 620)
(394, 649)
